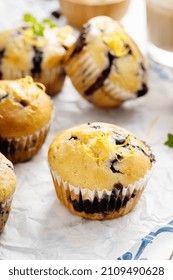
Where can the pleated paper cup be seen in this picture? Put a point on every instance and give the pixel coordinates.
(5, 207)
(24, 148)
(53, 78)
(99, 205)
(84, 72)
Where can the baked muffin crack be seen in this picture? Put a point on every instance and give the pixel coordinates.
(104, 75)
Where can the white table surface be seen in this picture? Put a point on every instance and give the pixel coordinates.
(39, 226)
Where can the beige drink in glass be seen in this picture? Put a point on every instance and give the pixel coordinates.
(160, 30)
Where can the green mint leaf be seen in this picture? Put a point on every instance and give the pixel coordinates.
(29, 18)
(49, 22)
(38, 29)
(169, 142)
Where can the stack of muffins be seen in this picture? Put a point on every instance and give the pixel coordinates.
(31, 62)
(99, 170)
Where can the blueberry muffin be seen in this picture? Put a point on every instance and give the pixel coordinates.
(105, 65)
(99, 170)
(7, 188)
(22, 53)
(25, 115)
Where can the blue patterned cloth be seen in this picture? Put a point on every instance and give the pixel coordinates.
(137, 252)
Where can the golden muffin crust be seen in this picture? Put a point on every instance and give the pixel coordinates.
(24, 52)
(97, 156)
(19, 47)
(24, 108)
(7, 179)
(105, 65)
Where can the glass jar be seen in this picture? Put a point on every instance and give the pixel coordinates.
(160, 31)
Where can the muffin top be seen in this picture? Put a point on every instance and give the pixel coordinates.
(24, 107)
(21, 49)
(7, 178)
(115, 54)
(98, 156)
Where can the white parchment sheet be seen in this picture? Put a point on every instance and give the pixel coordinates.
(39, 226)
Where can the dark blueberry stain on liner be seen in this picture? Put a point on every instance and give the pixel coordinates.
(81, 41)
(12, 149)
(119, 198)
(3, 97)
(37, 60)
(2, 52)
(77, 204)
(106, 205)
(100, 80)
(8, 148)
(4, 146)
(142, 91)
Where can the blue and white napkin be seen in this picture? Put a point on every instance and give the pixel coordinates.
(157, 245)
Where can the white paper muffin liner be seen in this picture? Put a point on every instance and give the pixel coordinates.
(67, 190)
(84, 72)
(117, 92)
(52, 78)
(22, 149)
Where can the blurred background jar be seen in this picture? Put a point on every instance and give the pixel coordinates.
(80, 11)
(160, 31)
